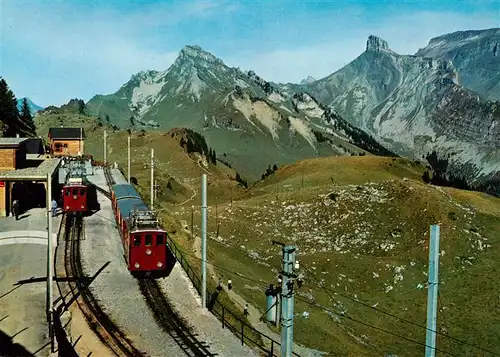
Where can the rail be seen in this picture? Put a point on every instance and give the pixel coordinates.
(170, 322)
(78, 283)
(240, 328)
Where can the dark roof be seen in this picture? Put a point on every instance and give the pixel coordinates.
(124, 191)
(66, 133)
(127, 205)
(34, 146)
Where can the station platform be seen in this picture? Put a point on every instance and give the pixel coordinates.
(23, 266)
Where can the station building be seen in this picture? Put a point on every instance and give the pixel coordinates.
(66, 141)
(23, 173)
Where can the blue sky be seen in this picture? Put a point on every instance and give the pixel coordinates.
(52, 51)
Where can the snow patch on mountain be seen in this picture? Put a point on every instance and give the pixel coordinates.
(146, 94)
(308, 105)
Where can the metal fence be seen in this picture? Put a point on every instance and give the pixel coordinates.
(246, 333)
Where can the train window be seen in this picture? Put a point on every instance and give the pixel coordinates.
(82, 192)
(159, 239)
(149, 240)
(75, 191)
(137, 240)
(68, 191)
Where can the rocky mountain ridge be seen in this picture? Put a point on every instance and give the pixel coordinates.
(33, 107)
(415, 105)
(475, 54)
(228, 106)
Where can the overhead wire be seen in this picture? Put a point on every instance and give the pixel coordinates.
(327, 290)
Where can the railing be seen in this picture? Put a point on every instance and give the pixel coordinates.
(246, 333)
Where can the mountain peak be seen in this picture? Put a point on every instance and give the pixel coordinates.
(376, 43)
(195, 52)
(307, 80)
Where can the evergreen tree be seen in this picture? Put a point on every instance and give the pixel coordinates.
(9, 114)
(27, 118)
(107, 119)
(214, 158)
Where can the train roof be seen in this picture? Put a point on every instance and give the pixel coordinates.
(127, 205)
(124, 190)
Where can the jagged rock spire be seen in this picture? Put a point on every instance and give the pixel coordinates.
(376, 43)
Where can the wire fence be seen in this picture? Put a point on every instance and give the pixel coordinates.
(240, 328)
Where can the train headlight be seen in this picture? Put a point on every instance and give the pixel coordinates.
(148, 252)
(67, 207)
(137, 266)
(81, 206)
(159, 264)
(74, 197)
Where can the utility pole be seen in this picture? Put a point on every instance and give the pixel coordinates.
(156, 188)
(152, 175)
(287, 298)
(128, 176)
(192, 221)
(50, 264)
(432, 292)
(204, 240)
(105, 149)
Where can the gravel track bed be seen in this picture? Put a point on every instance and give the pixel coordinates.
(187, 304)
(116, 290)
(185, 301)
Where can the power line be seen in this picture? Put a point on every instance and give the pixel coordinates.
(394, 316)
(320, 306)
(367, 324)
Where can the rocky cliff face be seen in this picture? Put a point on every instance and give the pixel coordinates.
(243, 117)
(415, 105)
(475, 54)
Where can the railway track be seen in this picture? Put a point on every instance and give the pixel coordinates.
(98, 321)
(169, 321)
(109, 177)
(166, 318)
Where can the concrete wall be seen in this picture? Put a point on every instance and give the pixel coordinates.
(7, 159)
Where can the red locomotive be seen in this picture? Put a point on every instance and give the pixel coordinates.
(144, 240)
(78, 195)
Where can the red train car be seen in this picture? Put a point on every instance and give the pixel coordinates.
(147, 252)
(74, 195)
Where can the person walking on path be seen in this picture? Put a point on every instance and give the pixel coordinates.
(15, 209)
(54, 208)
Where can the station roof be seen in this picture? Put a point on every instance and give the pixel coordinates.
(39, 173)
(67, 133)
(11, 142)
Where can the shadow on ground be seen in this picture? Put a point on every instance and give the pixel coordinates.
(10, 349)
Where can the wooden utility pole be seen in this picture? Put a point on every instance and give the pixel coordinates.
(152, 177)
(128, 160)
(105, 148)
